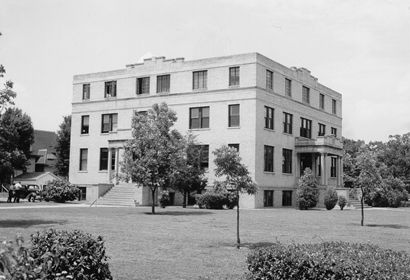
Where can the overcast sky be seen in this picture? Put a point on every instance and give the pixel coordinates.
(358, 48)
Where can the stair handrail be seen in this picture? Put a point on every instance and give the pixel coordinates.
(93, 202)
(4, 189)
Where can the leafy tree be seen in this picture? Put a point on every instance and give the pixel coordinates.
(152, 155)
(16, 136)
(228, 164)
(351, 150)
(307, 193)
(189, 176)
(7, 94)
(63, 147)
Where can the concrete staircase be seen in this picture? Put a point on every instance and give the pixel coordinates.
(357, 204)
(122, 194)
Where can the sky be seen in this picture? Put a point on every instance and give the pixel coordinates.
(358, 48)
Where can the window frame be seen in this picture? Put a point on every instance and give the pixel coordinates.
(305, 95)
(235, 146)
(287, 126)
(269, 159)
(268, 200)
(287, 161)
(288, 87)
(321, 101)
(269, 118)
(113, 126)
(143, 85)
(200, 118)
(232, 117)
(333, 167)
(85, 129)
(333, 131)
(103, 160)
(86, 92)
(307, 129)
(287, 200)
(83, 166)
(334, 106)
(161, 81)
(200, 80)
(202, 150)
(234, 76)
(108, 87)
(322, 129)
(269, 79)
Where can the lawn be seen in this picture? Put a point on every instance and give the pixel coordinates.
(199, 244)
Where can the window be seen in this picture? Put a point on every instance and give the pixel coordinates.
(267, 198)
(268, 159)
(322, 130)
(163, 83)
(234, 76)
(286, 198)
(85, 124)
(199, 80)
(234, 117)
(269, 79)
(83, 159)
(287, 161)
(199, 117)
(322, 101)
(86, 91)
(306, 128)
(110, 89)
(333, 167)
(269, 117)
(103, 158)
(143, 85)
(204, 156)
(235, 146)
(288, 87)
(334, 131)
(112, 165)
(334, 106)
(305, 95)
(287, 123)
(109, 123)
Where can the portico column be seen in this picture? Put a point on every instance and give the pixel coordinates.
(339, 171)
(109, 164)
(117, 157)
(323, 169)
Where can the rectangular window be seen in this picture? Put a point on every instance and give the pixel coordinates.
(86, 91)
(204, 156)
(234, 76)
(334, 106)
(163, 83)
(286, 198)
(85, 120)
(234, 116)
(288, 87)
(333, 167)
(103, 158)
(110, 89)
(334, 131)
(306, 95)
(322, 101)
(267, 198)
(269, 117)
(112, 165)
(269, 79)
(287, 123)
(83, 159)
(199, 117)
(287, 161)
(322, 130)
(199, 80)
(268, 166)
(143, 85)
(306, 128)
(235, 146)
(109, 123)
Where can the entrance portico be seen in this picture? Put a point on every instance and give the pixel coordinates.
(115, 147)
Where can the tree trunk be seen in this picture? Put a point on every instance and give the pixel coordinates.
(184, 202)
(361, 202)
(153, 201)
(238, 240)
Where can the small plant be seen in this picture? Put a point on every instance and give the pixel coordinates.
(342, 202)
(330, 198)
(60, 191)
(211, 200)
(164, 199)
(307, 193)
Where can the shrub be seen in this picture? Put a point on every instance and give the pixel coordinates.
(231, 199)
(60, 191)
(328, 260)
(330, 198)
(342, 202)
(307, 193)
(211, 200)
(164, 199)
(390, 193)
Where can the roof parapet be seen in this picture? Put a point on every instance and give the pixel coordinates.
(155, 60)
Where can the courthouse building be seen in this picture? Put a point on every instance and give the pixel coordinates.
(281, 119)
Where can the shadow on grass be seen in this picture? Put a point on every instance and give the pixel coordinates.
(29, 223)
(179, 213)
(248, 245)
(395, 226)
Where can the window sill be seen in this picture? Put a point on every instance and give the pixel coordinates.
(84, 134)
(108, 133)
(268, 129)
(82, 171)
(269, 172)
(110, 97)
(143, 94)
(288, 134)
(103, 171)
(234, 86)
(199, 89)
(85, 100)
(287, 174)
(233, 127)
(199, 129)
(163, 92)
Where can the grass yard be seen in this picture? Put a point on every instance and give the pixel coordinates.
(199, 244)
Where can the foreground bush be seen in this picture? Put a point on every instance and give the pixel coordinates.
(57, 255)
(307, 193)
(342, 202)
(328, 260)
(330, 198)
(164, 199)
(60, 191)
(211, 200)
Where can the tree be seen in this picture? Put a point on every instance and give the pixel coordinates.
(189, 176)
(63, 147)
(152, 155)
(307, 193)
(237, 178)
(16, 136)
(7, 94)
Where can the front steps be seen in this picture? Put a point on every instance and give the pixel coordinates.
(357, 204)
(123, 194)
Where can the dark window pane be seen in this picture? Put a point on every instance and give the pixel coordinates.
(234, 76)
(306, 95)
(287, 198)
(234, 115)
(103, 159)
